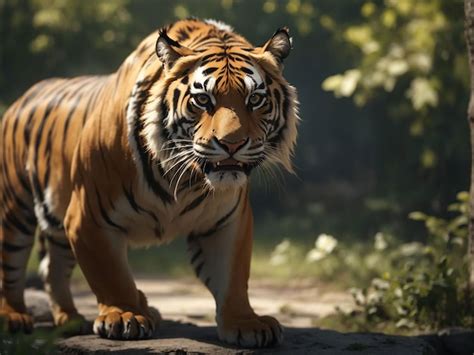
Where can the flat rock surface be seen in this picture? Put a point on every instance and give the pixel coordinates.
(176, 338)
(189, 327)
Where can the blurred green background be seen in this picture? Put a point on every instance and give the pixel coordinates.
(383, 86)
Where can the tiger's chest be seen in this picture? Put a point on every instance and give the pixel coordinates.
(155, 222)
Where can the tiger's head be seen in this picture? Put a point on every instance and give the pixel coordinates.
(225, 107)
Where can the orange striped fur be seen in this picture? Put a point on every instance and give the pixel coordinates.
(161, 148)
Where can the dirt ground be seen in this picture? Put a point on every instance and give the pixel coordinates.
(295, 304)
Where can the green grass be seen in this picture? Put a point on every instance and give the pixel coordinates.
(172, 261)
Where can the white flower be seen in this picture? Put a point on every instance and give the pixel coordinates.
(380, 284)
(283, 247)
(315, 255)
(357, 295)
(326, 243)
(380, 242)
(280, 255)
(278, 259)
(409, 249)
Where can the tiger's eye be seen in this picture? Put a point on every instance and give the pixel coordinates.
(202, 99)
(255, 99)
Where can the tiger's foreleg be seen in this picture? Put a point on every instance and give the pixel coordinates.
(102, 256)
(222, 261)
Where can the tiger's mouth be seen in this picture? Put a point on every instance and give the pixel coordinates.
(227, 165)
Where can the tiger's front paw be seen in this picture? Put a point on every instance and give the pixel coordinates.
(124, 325)
(17, 321)
(257, 332)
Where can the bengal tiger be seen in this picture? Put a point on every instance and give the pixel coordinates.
(163, 147)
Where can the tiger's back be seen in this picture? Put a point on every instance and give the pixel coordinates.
(38, 137)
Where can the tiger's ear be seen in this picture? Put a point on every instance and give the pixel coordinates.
(169, 51)
(280, 44)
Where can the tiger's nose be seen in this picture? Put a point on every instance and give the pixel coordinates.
(232, 146)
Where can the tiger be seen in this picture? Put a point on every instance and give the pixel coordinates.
(162, 148)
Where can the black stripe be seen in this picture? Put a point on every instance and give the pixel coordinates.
(68, 117)
(246, 70)
(176, 94)
(57, 243)
(12, 220)
(105, 216)
(86, 112)
(29, 122)
(21, 177)
(219, 223)
(10, 268)
(196, 255)
(103, 158)
(52, 104)
(198, 269)
(131, 199)
(8, 192)
(11, 248)
(196, 202)
(38, 192)
(268, 79)
(224, 219)
(182, 35)
(209, 57)
(136, 207)
(9, 283)
(209, 70)
(286, 102)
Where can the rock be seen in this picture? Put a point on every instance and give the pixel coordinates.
(180, 338)
(457, 341)
(37, 302)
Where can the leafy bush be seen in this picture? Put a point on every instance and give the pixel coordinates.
(425, 286)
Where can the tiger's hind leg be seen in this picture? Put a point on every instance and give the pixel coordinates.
(17, 228)
(55, 269)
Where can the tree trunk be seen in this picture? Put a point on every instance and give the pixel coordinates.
(469, 33)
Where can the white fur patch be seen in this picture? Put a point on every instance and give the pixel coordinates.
(199, 77)
(39, 212)
(219, 24)
(43, 268)
(226, 180)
